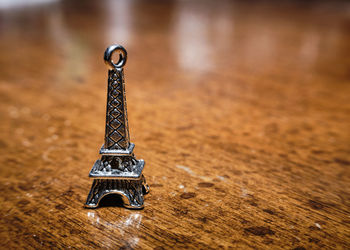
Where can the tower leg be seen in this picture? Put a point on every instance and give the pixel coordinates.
(131, 191)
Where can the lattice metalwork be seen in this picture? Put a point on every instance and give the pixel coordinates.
(117, 171)
(117, 131)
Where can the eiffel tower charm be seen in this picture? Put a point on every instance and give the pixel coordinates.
(117, 171)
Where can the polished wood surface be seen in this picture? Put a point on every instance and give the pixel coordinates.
(240, 110)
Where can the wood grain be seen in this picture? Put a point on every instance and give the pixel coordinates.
(240, 110)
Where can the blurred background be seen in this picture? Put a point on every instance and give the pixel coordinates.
(191, 36)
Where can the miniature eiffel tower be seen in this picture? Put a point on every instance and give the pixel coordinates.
(118, 171)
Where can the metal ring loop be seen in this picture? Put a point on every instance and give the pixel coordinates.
(122, 56)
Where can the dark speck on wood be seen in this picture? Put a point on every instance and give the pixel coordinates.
(60, 207)
(259, 231)
(315, 204)
(269, 211)
(205, 184)
(299, 248)
(342, 161)
(187, 195)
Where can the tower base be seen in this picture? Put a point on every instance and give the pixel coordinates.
(130, 190)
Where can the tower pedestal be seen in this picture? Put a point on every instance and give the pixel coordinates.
(131, 191)
(118, 172)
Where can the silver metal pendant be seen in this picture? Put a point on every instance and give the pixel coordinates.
(118, 171)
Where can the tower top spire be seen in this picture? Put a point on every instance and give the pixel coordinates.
(123, 55)
(117, 129)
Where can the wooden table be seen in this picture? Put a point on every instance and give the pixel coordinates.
(240, 110)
